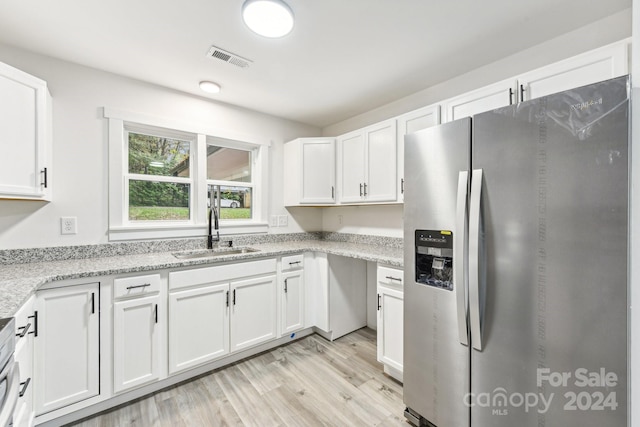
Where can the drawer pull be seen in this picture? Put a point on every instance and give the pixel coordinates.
(23, 330)
(394, 278)
(24, 386)
(35, 321)
(138, 286)
(295, 262)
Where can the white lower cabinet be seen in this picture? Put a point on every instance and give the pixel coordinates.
(253, 312)
(23, 415)
(390, 320)
(66, 346)
(137, 317)
(220, 309)
(198, 326)
(292, 294)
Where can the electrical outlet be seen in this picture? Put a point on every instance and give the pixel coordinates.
(273, 221)
(283, 220)
(68, 225)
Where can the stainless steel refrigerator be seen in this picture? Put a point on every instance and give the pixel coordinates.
(516, 242)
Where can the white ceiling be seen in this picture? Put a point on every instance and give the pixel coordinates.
(343, 57)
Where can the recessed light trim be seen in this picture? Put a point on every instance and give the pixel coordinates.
(268, 18)
(210, 87)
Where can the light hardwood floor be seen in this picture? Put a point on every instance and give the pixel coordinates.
(310, 382)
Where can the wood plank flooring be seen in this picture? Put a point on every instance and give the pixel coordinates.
(310, 382)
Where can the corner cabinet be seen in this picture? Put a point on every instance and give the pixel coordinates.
(25, 136)
(391, 320)
(367, 162)
(309, 172)
(66, 346)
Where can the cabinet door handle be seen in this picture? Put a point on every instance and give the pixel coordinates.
(333, 192)
(93, 303)
(35, 321)
(379, 302)
(285, 286)
(156, 313)
(23, 330)
(401, 185)
(24, 386)
(394, 278)
(44, 180)
(365, 189)
(510, 96)
(234, 297)
(227, 298)
(360, 189)
(521, 93)
(138, 286)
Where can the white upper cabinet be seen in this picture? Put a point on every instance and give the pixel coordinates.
(25, 136)
(309, 171)
(487, 98)
(596, 65)
(600, 64)
(367, 162)
(409, 123)
(351, 170)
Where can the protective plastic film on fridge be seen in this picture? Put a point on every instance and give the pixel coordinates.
(516, 237)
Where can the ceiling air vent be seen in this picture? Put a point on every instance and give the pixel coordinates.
(226, 56)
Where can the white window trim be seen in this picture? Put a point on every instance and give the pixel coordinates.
(119, 226)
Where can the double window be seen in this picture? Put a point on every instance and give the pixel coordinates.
(163, 182)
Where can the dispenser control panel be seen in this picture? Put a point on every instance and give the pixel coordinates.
(434, 258)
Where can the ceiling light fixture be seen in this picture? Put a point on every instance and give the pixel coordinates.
(210, 87)
(269, 18)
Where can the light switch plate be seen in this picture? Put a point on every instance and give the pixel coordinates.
(273, 221)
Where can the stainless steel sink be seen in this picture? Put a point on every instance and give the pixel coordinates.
(213, 253)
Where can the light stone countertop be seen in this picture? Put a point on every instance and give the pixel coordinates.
(19, 281)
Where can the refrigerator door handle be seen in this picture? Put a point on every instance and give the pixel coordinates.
(459, 257)
(476, 300)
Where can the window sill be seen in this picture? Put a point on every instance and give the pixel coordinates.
(182, 231)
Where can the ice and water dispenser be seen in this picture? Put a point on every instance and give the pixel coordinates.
(434, 258)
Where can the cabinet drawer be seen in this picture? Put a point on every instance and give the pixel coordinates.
(136, 286)
(392, 277)
(220, 273)
(293, 262)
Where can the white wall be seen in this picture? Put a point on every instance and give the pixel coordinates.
(607, 30)
(80, 148)
(387, 220)
(382, 220)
